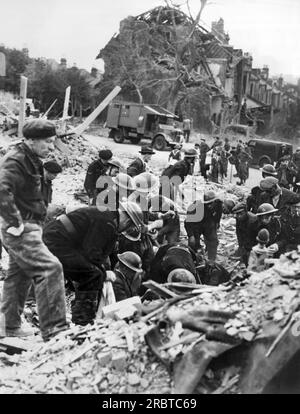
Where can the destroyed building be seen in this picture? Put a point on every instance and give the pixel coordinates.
(164, 57)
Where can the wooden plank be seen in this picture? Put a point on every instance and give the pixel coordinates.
(66, 103)
(159, 289)
(23, 94)
(82, 127)
(49, 109)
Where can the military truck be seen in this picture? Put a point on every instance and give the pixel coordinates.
(134, 121)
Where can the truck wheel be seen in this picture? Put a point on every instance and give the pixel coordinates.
(264, 160)
(118, 136)
(135, 140)
(160, 143)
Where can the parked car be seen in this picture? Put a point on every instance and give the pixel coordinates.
(134, 121)
(266, 152)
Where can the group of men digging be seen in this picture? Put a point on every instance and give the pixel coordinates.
(129, 231)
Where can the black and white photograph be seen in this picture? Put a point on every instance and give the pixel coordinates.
(149, 200)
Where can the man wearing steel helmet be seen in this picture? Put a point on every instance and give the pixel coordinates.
(280, 198)
(255, 198)
(277, 231)
(83, 240)
(128, 273)
(206, 225)
(23, 211)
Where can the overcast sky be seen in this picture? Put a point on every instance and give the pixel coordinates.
(78, 29)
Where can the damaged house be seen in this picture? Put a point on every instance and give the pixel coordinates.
(160, 57)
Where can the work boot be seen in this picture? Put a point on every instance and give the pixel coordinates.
(84, 307)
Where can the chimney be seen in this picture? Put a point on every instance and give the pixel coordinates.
(94, 72)
(280, 82)
(63, 63)
(265, 72)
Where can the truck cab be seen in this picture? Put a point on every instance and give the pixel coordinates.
(133, 121)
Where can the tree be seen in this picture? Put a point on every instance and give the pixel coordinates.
(157, 58)
(16, 62)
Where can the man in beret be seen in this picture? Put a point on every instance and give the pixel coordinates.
(140, 164)
(23, 210)
(95, 170)
(51, 171)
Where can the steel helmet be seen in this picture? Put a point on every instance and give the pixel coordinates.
(265, 209)
(116, 163)
(209, 197)
(181, 275)
(190, 153)
(269, 169)
(228, 206)
(134, 212)
(123, 180)
(263, 236)
(145, 182)
(131, 260)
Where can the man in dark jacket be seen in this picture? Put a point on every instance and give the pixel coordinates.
(170, 257)
(174, 175)
(23, 210)
(277, 229)
(95, 170)
(83, 240)
(128, 272)
(246, 230)
(140, 164)
(210, 213)
(280, 198)
(254, 200)
(204, 148)
(51, 171)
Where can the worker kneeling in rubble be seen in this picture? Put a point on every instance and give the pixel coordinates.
(83, 240)
(178, 262)
(277, 232)
(128, 272)
(203, 217)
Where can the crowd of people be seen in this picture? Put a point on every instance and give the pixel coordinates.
(130, 231)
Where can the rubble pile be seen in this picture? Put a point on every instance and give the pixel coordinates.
(109, 357)
(112, 356)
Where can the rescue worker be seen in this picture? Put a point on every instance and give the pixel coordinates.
(23, 210)
(170, 257)
(246, 231)
(51, 171)
(169, 213)
(280, 198)
(178, 262)
(95, 170)
(296, 161)
(106, 181)
(286, 172)
(187, 126)
(292, 227)
(140, 164)
(254, 199)
(243, 166)
(82, 241)
(128, 272)
(175, 154)
(117, 189)
(208, 224)
(267, 220)
(204, 148)
(174, 175)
